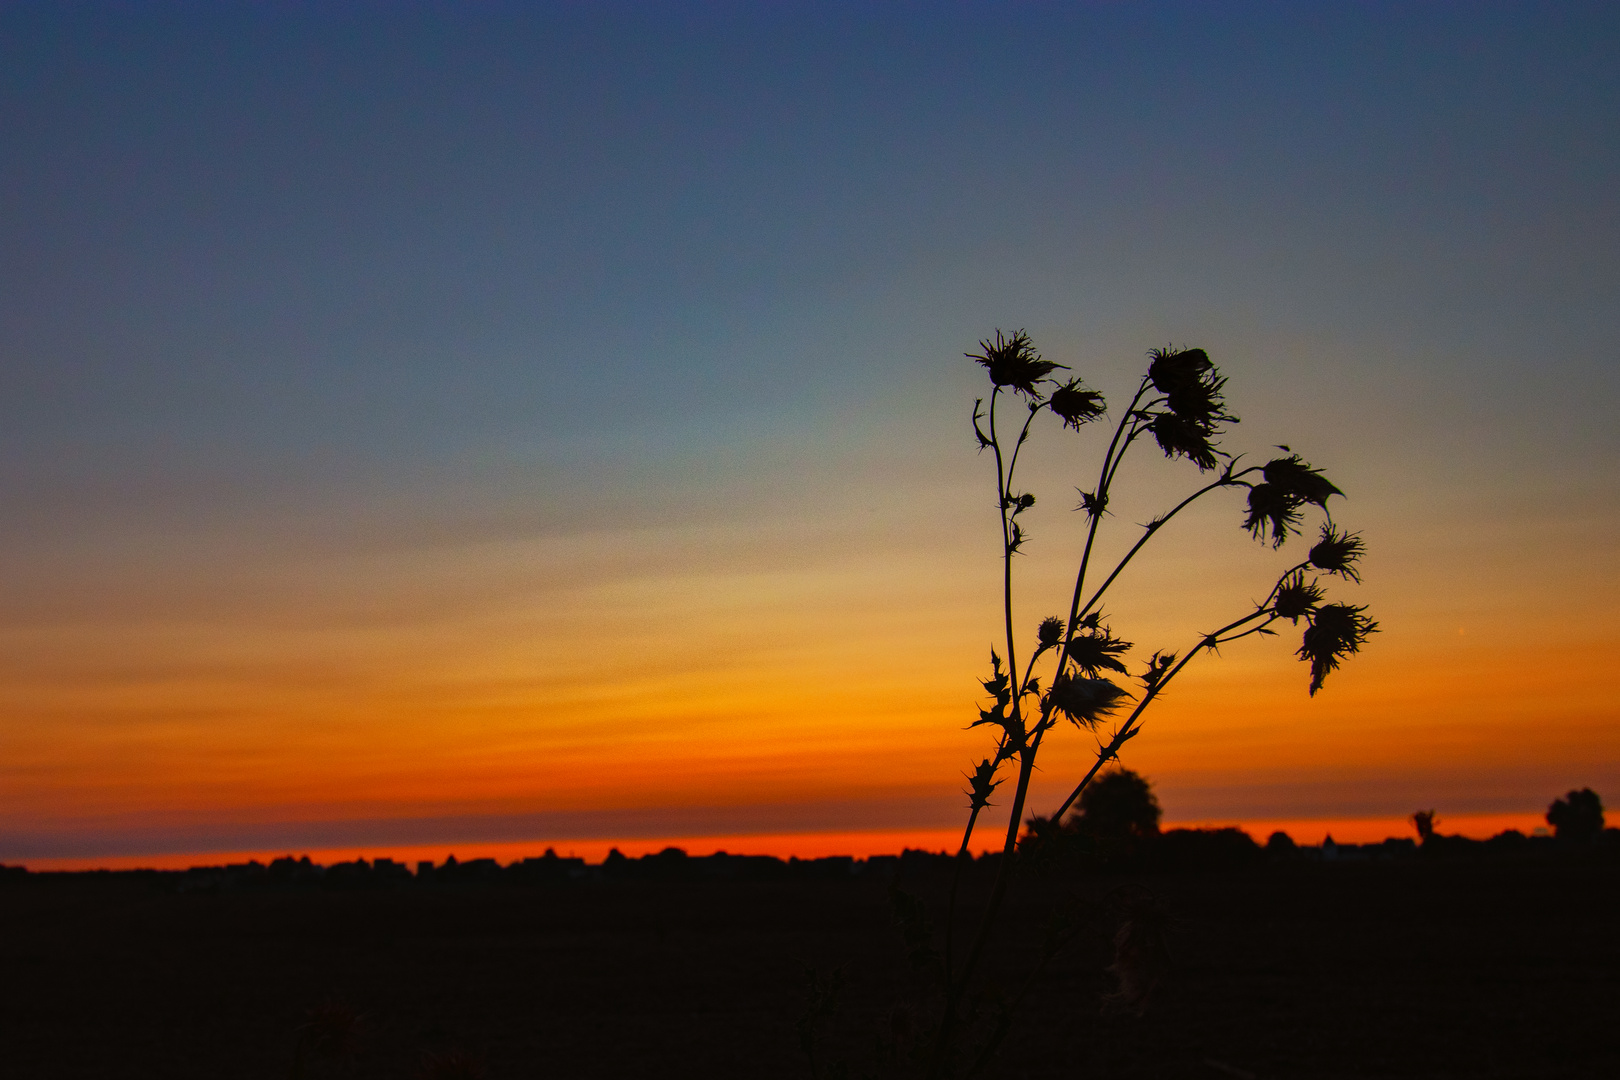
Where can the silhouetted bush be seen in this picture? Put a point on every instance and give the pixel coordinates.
(1279, 845)
(1204, 849)
(1508, 840)
(1577, 817)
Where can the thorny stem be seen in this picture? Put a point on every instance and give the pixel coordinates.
(1026, 754)
(1004, 472)
(1101, 496)
(1003, 484)
(956, 874)
(1028, 739)
(1129, 728)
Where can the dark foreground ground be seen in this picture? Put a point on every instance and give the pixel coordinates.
(1498, 968)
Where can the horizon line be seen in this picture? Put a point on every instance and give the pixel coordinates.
(857, 843)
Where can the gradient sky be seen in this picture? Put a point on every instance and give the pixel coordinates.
(485, 422)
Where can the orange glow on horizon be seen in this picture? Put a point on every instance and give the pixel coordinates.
(859, 844)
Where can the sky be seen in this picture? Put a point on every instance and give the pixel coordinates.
(548, 423)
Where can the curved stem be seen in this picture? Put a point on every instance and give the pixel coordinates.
(1131, 724)
(1104, 479)
(1148, 533)
(1003, 480)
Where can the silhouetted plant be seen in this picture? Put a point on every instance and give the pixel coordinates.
(1577, 816)
(1179, 404)
(1424, 822)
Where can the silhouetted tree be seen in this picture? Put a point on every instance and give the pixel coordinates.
(1118, 805)
(1424, 822)
(1577, 816)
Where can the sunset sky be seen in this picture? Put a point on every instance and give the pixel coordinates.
(424, 426)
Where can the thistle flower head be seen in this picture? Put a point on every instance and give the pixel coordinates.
(1077, 405)
(1050, 632)
(1200, 402)
(1338, 552)
(1335, 631)
(1084, 701)
(1297, 597)
(1273, 507)
(1181, 437)
(1175, 369)
(1095, 650)
(1292, 475)
(1013, 361)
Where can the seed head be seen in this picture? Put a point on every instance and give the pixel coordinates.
(1292, 475)
(1270, 505)
(1335, 631)
(1076, 405)
(1014, 362)
(1338, 553)
(1297, 597)
(1176, 369)
(1095, 650)
(1084, 701)
(1050, 632)
(1180, 437)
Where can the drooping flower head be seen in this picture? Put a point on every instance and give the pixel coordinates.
(1193, 405)
(1076, 404)
(1176, 369)
(1275, 508)
(1292, 475)
(1094, 650)
(1335, 631)
(1179, 437)
(1084, 701)
(1014, 362)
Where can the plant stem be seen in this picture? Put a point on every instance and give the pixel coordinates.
(954, 991)
(956, 880)
(1101, 502)
(1126, 730)
(1149, 531)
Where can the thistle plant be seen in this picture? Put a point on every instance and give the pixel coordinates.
(1076, 671)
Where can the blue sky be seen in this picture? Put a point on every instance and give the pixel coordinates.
(292, 283)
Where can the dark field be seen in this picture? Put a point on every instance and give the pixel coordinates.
(1466, 968)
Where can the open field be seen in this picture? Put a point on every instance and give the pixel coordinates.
(1500, 967)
